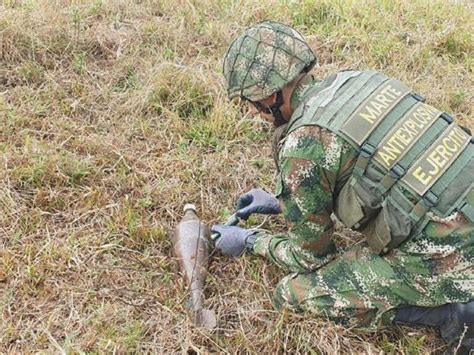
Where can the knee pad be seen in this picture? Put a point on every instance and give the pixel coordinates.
(283, 296)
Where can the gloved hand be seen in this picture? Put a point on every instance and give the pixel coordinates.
(257, 201)
(233, 240)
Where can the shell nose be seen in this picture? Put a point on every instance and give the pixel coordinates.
(189, 206)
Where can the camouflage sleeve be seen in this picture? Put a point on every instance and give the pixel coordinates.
(310, 162)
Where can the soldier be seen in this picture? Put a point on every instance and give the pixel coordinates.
(367, 148)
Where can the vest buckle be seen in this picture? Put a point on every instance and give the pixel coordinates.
(398, 171)
(418, 97)
(447, 118)
(430, 199)
(368, 149)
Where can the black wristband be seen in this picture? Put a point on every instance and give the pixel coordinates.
(250, 241)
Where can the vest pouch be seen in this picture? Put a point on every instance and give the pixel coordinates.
(391, 227)
(348, 207)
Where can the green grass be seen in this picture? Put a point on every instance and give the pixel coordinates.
(113, 115)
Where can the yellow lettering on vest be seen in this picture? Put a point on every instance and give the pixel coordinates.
(383, 100)
(411, 128)
(403, 137)
(457, 135)
(437, 159)
(420, 117)
(436, 162)
(391, 92)
(440, 156)
(430, 110)
(443, 153)
(389, 153)
(421, 176)
(425, 113)
(419, 123)
(393, 147)
(387, 159)
(393, 140)
(370, 116)
(450, 145)
(378, 107)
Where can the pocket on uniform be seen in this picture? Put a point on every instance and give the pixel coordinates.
(390, 228)
(348, 207)
(377, 234)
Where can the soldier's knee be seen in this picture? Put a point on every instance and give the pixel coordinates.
(283, 296)
(301, 293)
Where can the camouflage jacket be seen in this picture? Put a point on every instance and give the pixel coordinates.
(313, 164)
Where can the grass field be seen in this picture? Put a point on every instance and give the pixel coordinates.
(113, 115)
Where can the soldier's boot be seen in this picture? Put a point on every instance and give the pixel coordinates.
(449, 319)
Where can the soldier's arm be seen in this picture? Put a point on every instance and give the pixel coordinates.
(310, 163)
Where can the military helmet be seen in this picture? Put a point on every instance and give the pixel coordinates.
(265, 58)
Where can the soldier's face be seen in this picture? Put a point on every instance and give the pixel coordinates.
(262, 109)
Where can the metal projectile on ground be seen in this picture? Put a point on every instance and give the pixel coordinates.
(191, 247)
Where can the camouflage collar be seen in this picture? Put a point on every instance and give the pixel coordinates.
(306, 84)
(301, 89)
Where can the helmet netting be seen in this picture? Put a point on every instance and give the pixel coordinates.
(264, 59)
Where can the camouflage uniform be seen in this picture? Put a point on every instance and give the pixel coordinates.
(359, 287)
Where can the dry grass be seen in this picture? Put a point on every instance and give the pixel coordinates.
(113, 115)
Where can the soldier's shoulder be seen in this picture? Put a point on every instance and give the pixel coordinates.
(306, 139)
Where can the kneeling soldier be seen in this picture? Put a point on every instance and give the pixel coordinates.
(367, 148)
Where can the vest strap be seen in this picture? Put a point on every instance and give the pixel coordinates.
(339, 103)
(468, 211)
(366, 153)
(395, 174)
(327, 93)
(429, 200)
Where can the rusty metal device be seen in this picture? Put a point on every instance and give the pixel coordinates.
(191, 247)
(192, 243)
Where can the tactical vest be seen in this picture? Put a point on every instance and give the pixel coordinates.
(414, 161)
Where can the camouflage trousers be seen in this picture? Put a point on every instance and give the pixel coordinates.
(361, 288)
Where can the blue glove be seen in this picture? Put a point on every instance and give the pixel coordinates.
(257, 201)
(233, 240)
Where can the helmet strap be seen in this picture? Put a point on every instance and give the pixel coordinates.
(278, 119)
